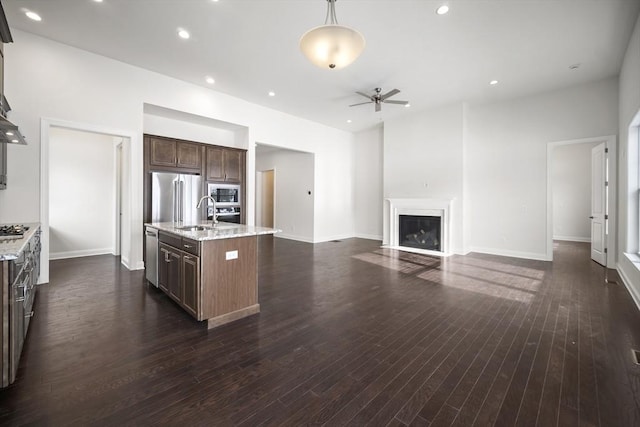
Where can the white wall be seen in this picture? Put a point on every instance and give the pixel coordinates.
(506, 161)
(45, 79)
(629, 108)
(571, 186)
(81, 193)
(367, 170)
(181, 129)
(294, 179)
(423, 158)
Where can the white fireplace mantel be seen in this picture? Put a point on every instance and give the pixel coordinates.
(419, 207)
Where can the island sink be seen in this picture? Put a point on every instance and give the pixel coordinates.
(210, 271)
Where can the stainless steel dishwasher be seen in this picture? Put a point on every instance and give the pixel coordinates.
(151, 262)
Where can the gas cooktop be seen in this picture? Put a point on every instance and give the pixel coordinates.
(12, 231)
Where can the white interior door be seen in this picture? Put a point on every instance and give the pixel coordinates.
(598, 204)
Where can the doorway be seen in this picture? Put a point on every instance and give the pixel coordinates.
(289, 196)
(84, 193)
(569, 194)
(265, 198)
(118, 198)
(65, 176)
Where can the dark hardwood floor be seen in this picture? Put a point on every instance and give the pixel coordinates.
(349, 334)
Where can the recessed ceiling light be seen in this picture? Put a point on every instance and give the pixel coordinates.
(9, 133)
(407, 105)
(442, 10)
(183, 34)
(210, 80)
(98, 1)
(15, 141)
(493, 82)
(348, 121)
(32, 15)
(574, 66)
(272, 93)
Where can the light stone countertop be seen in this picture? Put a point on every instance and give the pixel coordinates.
(222, 230)
(11, 249)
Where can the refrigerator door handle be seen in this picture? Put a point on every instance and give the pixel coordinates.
(175, 201)
(181, 201)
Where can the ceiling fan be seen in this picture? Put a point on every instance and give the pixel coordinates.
(377, 98)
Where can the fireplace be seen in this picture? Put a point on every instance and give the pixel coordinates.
(418, 225)
(420, 232)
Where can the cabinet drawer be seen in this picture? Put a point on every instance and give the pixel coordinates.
(190, 246)
(170, 239)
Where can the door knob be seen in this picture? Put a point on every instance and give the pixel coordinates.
(590, 217)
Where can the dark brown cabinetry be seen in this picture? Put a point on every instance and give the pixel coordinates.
(18, 279)
(179, 271)
(190, 283)
(225, 164)
(172, 153)
(213, 280)
(214, 163)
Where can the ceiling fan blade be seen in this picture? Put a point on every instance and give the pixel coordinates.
(364, 94)
(378, 107)
(389, 94)
(396, 102)
(362, 103)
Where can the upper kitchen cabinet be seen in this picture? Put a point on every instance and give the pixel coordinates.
(171, 153)
(225, 164)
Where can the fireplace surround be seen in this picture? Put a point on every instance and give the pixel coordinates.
(426, 225)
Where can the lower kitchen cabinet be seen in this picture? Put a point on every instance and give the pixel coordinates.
(19, 274)
(191, 283)
(173, 261)
(179, 275)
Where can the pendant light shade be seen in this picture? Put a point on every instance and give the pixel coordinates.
(331, 45)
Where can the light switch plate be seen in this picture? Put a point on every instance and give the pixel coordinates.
(232, 255)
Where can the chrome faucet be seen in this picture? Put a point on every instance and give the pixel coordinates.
(215, 215)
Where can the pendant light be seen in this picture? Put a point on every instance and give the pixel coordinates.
(331, 45)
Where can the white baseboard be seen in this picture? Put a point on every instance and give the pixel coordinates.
(573, 239)
(627, 283)
(125, 261)
(78, 254)
(293, 237)
(512, 254)
(368, 236)
(336, 237)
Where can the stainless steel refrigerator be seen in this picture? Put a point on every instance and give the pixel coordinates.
(174, 198)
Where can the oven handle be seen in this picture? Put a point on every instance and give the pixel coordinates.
(24, 287)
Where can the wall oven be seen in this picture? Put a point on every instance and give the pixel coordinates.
(228, 202)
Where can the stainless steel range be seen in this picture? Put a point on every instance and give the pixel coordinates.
(8, 232)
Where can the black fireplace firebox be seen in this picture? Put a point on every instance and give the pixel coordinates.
(420, 232)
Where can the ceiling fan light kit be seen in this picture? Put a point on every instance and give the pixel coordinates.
(332, 45)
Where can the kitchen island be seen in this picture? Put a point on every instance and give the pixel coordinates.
(210, 271)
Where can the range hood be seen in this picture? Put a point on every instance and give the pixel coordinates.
(9, 133)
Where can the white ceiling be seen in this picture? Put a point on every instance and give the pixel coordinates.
(250, 47)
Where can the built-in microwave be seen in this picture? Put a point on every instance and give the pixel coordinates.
(225, 194)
